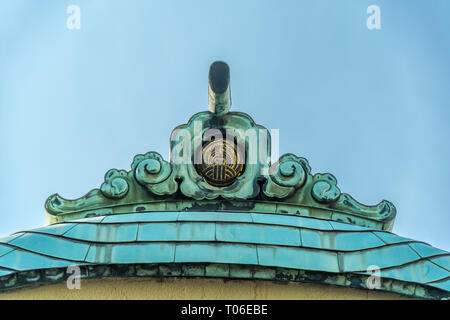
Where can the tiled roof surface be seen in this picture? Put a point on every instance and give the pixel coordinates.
(257, 239)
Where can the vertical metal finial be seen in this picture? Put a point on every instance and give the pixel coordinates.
(219, 91)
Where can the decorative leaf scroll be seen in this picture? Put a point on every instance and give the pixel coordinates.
(324, 189)
(290, 173)
(154, 180)
(151, 171)
(150, 176)
(115, 185)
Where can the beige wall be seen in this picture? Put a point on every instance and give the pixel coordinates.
(191, 288)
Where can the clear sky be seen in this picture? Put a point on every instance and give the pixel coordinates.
(369, 106)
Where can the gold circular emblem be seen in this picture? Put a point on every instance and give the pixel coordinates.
(222, 162)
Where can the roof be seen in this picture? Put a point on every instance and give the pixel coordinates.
(249, 219)
(225, 244)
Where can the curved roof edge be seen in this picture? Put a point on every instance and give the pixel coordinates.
(26, 279)
(304, 244)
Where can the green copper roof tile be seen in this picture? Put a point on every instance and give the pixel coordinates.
(391, 238)
(286, 220)
(298, 258)
(4, 272)
(215, 216)
(343, 241)
(425, 250)
(383, 257)
(421, 272)
(339, 226)
(5, 249)
(181, 231)
(56, 229)
(141, 217)
(277, 219)
(444, 284)
(261, 234)
(90, 220)
(52, 246)
(104, 232)
(11, 237)
(442, 261)
(313, 223)
(131, 253)
(157, 232)
(23, 260)
(216, 253)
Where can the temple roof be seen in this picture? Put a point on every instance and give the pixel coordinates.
(227, 245)
(232, 214)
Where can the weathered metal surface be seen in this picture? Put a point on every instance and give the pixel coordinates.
(4, 250)
(19, 260)
(442, 284)
(262, 221)
(425, 250)
(50, 245)
(103, 233)
(131, 253)
(287, 186)
(230, 271)
(194, 240)
(219, 91)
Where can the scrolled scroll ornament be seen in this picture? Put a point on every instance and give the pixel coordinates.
(289, 174)
(324, 189)
(155, 174)
(115, 185)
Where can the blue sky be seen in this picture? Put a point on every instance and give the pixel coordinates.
(369, 106)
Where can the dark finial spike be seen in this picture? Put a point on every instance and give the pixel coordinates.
(219, 92)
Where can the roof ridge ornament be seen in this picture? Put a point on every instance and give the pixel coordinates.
(221, 173)
(219, 91)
